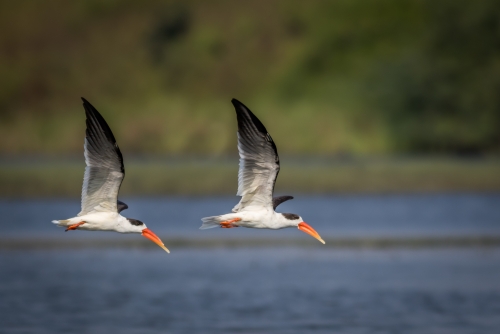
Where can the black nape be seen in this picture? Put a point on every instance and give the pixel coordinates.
(290, 216)
(135, 222)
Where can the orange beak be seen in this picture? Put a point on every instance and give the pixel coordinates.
(309, 230)
(147, 233)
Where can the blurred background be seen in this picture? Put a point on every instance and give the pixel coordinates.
(386, 115)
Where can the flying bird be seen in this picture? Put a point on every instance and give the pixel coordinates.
(259, 168)
(102, 180)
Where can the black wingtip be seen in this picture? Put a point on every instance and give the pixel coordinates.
(121, 206)
(237, 103)
(87, 105)
(244, 115)
(93, 114)
(98, 129)
(278, 200)
(239, 107)
(89, 108)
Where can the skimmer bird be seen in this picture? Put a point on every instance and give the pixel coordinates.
(102, 180)
(259, 167)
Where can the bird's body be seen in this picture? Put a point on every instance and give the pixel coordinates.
(259, 168)
(102, 221)
(262, 218)
(103, 177)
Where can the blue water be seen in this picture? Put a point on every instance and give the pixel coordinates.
(331, 216)
(287, 290)
(251, 291)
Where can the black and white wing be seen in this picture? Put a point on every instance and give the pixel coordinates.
(104, 172)
(259, 161)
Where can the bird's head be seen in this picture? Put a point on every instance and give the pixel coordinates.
(136, 226)
(296, 220)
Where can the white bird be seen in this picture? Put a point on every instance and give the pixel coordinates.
(102, 180)
(259, 168)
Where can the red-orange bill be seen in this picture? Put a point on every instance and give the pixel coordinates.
(147, 233)
(309, 230)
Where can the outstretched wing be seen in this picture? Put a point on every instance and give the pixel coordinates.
(259, 161)
(104, 172)
(278, 200)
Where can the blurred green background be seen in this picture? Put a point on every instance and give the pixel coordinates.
(408, 90)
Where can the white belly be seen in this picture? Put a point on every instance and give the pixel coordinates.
(101, 221)
(258, 219)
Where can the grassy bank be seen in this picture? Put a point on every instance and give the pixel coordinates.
(218, 176)
(175, 243)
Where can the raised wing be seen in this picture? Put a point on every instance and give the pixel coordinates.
(104, 172)
(259, 161)
(278, 200)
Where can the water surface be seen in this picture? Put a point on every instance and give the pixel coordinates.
(251, 291)
(289, 290)
(331, 216)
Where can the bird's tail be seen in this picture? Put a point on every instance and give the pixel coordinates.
(61, 223)
(210, 222)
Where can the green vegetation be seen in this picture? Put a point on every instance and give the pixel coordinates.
(134, 242)
(326, 77)
(208, 177)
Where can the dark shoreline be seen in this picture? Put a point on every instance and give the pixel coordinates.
(211, 176)
(8, 244)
